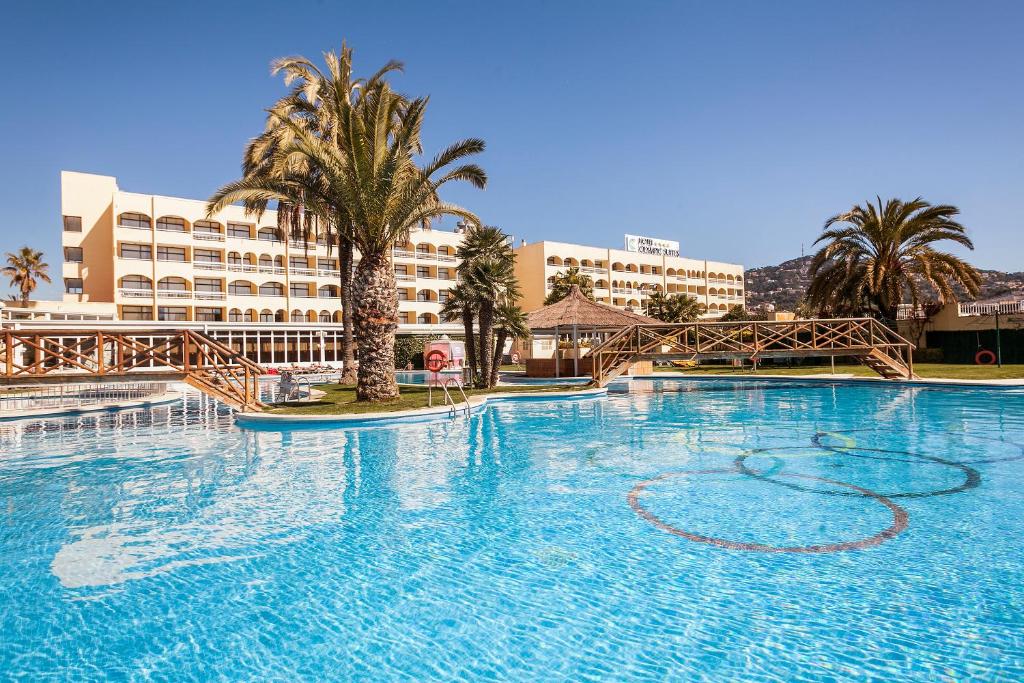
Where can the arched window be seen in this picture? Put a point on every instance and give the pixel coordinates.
(325, 316)
(337, 316)
(280, 316)
(171, 224)
(271, 289)
(554, 261)
(328, 292)
(266, 316)
(172, 284)
(234, 258)
(134, 220)
(298, 316)
(425, 295)
(234, 315)
(425, 319)
(136, 282)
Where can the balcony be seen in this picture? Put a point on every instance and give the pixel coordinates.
(211, 296)
(208, 236)
(135, 293)
(399, 253)
(242, 268)
(174, 294)
(135, 227)
(592, 270)
(328, 273)
(206, 265)
(405, 277)
(302, 271)
(272, 270)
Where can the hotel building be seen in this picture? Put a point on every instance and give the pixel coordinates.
(159, 262)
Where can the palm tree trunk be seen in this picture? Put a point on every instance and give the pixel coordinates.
(486, 345)
(376, 316)
(467, 326)
(348, 370)
(499, 346)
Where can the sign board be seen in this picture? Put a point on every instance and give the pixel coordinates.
(652, 245)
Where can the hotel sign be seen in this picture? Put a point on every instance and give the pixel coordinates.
(651, 245)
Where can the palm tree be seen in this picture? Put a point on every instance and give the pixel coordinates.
(509, 323)
(563, 282)
(25, 268)
(876, 255)
(677, 308)
(367, 171)
(461, 306)
(491, 280)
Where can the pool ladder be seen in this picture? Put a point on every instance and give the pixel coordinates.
(448, 399)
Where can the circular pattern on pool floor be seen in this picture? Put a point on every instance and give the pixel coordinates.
(852, 444)
(972, 478)
(900, 518)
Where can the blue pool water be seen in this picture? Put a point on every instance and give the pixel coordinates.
(694, 530)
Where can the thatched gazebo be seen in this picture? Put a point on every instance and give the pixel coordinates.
(573, 316)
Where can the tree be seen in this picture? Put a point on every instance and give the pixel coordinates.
(368, 170)
(738, 313)
(461, 306)
(487, 271)
(509, 323)
(875, 256)
(25, 268)
(677, 308)
(563, 282)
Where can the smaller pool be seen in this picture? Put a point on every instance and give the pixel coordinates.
(411, 376)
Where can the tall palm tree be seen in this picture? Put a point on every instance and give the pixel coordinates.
(509, 323)
(675, 308)
(314, 104)
(876, 255)
(25, 268)
(563, 283)
(491, 280)
(371, 172)
(461, 306)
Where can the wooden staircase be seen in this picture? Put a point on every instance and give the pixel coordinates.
(56, 356)
(865, 339)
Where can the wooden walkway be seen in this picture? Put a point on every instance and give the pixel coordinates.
(865, 339)
(54, 356)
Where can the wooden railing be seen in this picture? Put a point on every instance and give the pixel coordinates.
(41, 356)
(873, 343)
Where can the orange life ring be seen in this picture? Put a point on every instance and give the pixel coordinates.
(984, 357)
(435, 360)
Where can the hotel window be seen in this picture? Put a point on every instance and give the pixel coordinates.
(72, 224)
(170, 254)
(172, 313)
(422, 248)
(136, 282)
(401, 270)
(136, 313)
(298, 317)
(234, 258)
(239, 230)
(271, 289)
(73, 254)
(300, 289)
(235, 315)
(442, 296)
(206, 284)
(327, 264)
(141, 252)
(425, 319)
(403, 294)
(240, 288)
(266, 316)
(134, 220)
(422, 271)
(294, 262)
(210, 315)
(423, 295)
(404, 317)
(206, 256)
(206, 227)
(444, 274)
(170, 224)
(268, 235)
(325, 316)
(445, 251)
(172, 284)
(73, 285)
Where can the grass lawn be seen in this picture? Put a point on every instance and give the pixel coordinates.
(341, 400)
(926, 370)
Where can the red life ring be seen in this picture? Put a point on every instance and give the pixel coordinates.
(435, 360)
(984, 357)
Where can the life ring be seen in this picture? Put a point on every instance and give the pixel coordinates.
(435, 360)
(984, 357)
(515, 358)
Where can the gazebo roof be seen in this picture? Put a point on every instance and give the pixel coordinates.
(577, 309)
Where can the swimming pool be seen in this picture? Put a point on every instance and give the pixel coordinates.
(682, 530)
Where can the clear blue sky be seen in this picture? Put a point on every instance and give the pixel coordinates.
(736, 128)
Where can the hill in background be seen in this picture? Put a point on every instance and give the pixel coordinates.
(784, 284)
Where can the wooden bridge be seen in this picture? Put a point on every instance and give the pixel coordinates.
(865, 339)
(54, 356)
